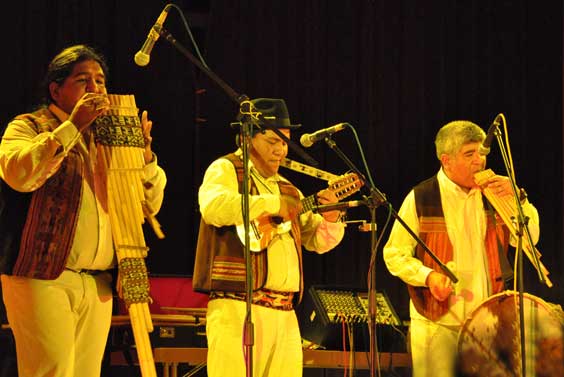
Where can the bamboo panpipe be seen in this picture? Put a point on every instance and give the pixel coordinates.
(506, 208)
(120, 145)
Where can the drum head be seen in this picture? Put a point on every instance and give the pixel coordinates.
(489, 342)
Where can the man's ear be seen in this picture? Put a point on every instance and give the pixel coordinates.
(445, 159)
(54, 90)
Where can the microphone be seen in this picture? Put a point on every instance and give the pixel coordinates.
(337, 206)
(485, 147)
(142, 57)
(307, 140)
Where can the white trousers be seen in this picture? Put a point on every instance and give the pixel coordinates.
(60, 326)
(433, 349)
(277, 350)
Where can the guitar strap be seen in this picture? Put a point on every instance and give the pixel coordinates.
(308, 170)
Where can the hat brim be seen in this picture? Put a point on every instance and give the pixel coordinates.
(294, 126)
(280, 123)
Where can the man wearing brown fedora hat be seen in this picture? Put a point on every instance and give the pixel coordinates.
(278, 232)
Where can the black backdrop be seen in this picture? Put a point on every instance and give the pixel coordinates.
(395, 70)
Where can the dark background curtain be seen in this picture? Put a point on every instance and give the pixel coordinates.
(395, 70)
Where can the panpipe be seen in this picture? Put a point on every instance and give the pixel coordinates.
(507, 210)
(120, 145)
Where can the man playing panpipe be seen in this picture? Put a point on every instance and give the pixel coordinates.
(56, 247)
(449, 213)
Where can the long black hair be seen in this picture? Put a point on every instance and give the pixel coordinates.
(63, 63)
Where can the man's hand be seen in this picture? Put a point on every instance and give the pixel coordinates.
(87, 109)
(329, 197)
(499, 185)
(147, 125)
(440, 285)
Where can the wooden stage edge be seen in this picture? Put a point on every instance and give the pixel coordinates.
(171, 357)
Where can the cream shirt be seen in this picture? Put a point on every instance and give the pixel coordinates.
(28, 159)
(466, 227)
(220, 205)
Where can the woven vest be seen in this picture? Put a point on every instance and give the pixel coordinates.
(433, 232)
(220, 254)
(39, 227)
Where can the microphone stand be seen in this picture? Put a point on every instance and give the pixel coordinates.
(522, 229)
(246, 124)
(236, 97)
(376, 199)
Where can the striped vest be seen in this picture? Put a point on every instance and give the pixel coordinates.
(433, 232)
(220, 260)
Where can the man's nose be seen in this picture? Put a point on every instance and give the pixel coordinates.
(93, 87)
(282, 151)
(479, 159)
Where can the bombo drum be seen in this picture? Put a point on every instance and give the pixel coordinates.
(489, 342)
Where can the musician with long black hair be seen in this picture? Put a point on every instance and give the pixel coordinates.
(449, 213)
(56, 247)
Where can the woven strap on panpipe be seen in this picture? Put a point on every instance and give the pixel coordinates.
(507, 210)
(120, 145)
(121, 128)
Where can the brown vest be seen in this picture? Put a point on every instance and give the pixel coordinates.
(433, 232)
(220, 254)
(48, 232)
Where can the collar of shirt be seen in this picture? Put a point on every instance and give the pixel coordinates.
(452, 188)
